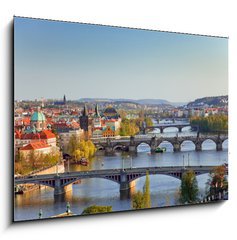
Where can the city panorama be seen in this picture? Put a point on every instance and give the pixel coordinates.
(110, 119)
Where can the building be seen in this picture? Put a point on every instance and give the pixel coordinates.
(37, 121)
(110, 113)
(96, 122)
(23, 139)
(37, 148)
(84, 119)
(108, 132)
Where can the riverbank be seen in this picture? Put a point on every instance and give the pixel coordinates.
(21, 189)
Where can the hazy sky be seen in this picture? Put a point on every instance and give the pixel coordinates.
(80, 60)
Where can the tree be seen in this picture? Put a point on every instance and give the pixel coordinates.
(72, 145)
(189, 188)
(217, 183)
(96, 209)
(142, 199)
(146, 192)
(138, 200)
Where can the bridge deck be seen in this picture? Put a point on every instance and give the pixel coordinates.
(106, 172)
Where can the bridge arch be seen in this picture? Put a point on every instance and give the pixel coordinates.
(167, 129)
(225, 143)
(208, 144)
(143, 147)
(100, 147)
(119, 147)
(136, 176)
(166, 144)
(113, 179)
(187, 145)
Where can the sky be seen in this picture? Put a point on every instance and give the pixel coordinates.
(54, 58)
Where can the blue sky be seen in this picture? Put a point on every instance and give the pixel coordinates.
(81, 60)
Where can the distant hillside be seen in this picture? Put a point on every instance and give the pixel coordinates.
(137, 101)
(218, 101)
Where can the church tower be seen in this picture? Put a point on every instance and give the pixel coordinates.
(64, 99)
(97, 118)
(84, 119)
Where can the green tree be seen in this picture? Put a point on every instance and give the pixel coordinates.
(212, 123)
(96, 209)
(189, 188)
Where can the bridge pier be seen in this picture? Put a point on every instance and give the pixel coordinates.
(198, 147)
(108, 150)
(125, 186)
(219, 146)
(59, 189)
(132, 149)
(177, 147)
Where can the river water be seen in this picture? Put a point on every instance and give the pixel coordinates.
(164, 189)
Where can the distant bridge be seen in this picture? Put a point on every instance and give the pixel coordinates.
(163, 126)
(131, 144)
(124, 177)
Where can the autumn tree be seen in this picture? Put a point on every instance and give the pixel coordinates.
(142, 199)
(146, 192)
(217, 182)
(138, 200)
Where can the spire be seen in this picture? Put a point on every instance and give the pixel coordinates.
(85, 111)
(64, 99)
(97, 113)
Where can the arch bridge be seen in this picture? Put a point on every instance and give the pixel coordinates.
(124, 177)
(131, 144)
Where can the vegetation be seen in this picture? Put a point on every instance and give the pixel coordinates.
(142, 200)
(27, 164)
(189, 188)
(138, 200)
(128, 127)
(217, 183)
(96, 209)
(79, 149)
(147, 197)
(211, 123)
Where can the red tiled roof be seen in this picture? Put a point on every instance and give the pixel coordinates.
(30, 136)
(45, 134)
(26, 121)
(17, 134)
(35, 145)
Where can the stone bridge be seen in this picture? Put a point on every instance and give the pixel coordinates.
(124, 177)
(131, 144)
(161, 127)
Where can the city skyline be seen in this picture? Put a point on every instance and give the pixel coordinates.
(93, 61)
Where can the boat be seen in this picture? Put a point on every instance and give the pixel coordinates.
(83, 162)
(160, 150)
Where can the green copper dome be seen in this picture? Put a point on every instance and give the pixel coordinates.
(38, 116)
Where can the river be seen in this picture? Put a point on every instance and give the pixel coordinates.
(164, 189)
